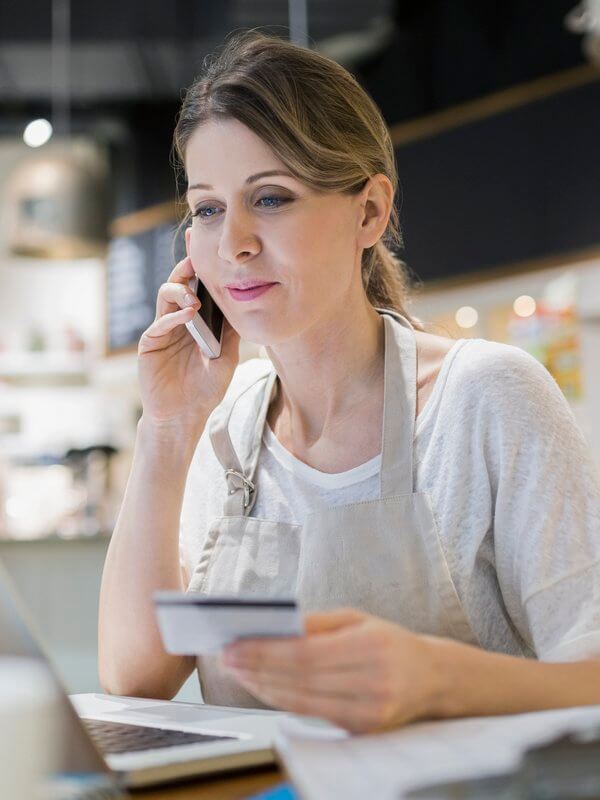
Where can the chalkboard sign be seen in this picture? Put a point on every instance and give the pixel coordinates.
(143, 251)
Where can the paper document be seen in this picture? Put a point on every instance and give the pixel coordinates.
(387, 765)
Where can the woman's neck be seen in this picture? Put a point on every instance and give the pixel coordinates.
(327, 374)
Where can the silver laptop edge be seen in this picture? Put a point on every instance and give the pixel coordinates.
(254, 730)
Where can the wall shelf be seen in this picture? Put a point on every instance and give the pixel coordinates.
(50, 368)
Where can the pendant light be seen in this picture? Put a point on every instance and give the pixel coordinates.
(56, 202)
(585, 19)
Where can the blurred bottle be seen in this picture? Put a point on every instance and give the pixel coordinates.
(74, 341)
(31, 737)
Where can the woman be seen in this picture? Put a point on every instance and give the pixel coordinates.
(431, 503)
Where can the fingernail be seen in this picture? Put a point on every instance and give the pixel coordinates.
(189, 300)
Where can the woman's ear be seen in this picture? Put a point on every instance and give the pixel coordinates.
(187, 234)
(376, 199)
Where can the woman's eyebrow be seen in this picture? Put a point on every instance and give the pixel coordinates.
(251, 179)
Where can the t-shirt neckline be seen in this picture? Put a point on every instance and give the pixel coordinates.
(327, 480)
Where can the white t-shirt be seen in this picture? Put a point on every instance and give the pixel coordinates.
(514, 491)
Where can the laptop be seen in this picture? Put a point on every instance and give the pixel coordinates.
(134, 742)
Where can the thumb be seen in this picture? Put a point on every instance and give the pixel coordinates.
(323, 621)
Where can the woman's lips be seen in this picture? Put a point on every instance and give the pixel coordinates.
(250, 294)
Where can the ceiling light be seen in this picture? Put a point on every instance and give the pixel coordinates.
(37, 133)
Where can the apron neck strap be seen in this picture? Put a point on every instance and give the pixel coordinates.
(399, 405)
(399, 420)
(241, 489)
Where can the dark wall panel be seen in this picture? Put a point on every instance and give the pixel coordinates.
(520, 185)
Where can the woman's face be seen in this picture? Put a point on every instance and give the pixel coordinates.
(267, 228)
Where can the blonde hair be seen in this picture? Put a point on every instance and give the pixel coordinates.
(317, 119)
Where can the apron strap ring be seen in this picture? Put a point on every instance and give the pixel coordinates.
(247, 485)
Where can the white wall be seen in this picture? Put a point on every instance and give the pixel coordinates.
(49, 295)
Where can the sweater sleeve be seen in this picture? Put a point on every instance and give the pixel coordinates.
(546, 507)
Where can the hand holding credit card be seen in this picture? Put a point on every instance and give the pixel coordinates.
(197, 624)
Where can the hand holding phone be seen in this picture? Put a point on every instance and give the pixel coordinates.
(180, 384)
(206, 326)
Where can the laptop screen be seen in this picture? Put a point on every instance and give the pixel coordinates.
(17, 638)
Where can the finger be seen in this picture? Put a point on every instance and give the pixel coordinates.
(352, 716)
(320, 621)
(182, 272)
(349, 683)
(325, 650)
(172, 296)
(163, 326)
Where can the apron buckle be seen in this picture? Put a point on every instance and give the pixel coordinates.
(247, 485)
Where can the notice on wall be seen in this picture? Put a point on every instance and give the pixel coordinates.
(137, 264)
(551, 334)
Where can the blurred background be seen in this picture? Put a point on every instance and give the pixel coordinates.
(494, 110)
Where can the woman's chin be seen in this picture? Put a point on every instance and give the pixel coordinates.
(261, 335)
(260, 341)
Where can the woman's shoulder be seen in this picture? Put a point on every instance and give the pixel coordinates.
(500, 367)
(502, 381)
(491, 383)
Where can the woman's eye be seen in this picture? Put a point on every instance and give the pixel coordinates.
(199, 212)
(278, 200)
(269, 201)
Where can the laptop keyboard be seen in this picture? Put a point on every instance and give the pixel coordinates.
(119, 737)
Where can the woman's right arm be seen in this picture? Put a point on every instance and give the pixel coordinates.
(143, 557)
(179, 387)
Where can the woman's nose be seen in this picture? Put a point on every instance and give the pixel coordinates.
(238, 239)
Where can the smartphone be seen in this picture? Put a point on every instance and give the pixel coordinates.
(206, 326)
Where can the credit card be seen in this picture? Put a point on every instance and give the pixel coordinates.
(197, 624)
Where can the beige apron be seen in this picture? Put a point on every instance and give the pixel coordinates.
(381, 556)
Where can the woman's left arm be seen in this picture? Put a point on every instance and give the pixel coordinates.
(365, 674)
